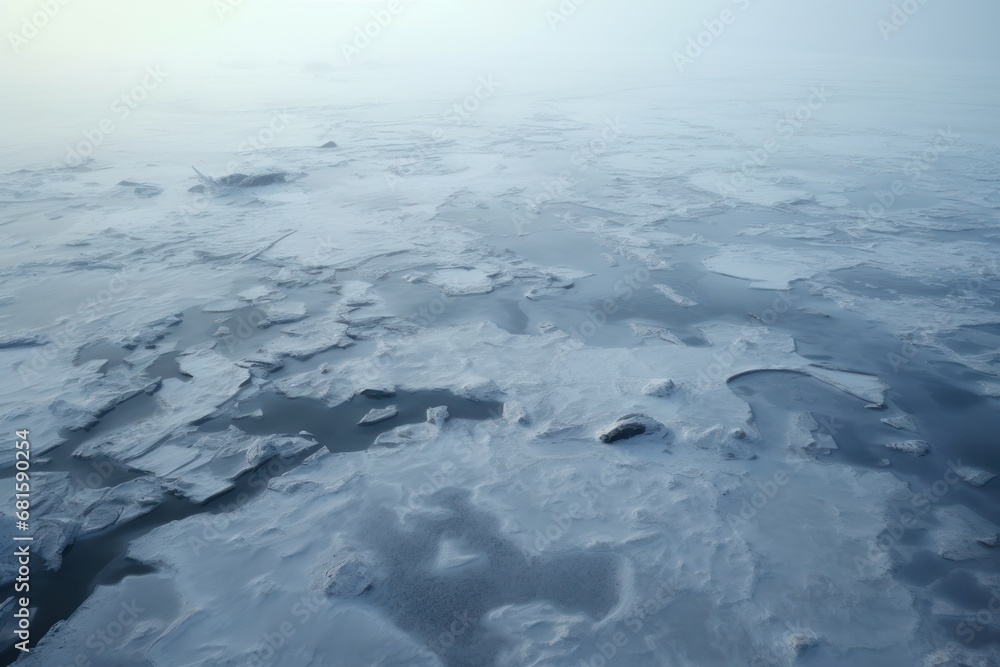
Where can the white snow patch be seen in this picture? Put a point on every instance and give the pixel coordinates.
(675, 297)
(774, 268)
(461, 281)
(915, 447)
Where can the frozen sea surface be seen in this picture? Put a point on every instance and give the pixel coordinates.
(789, 296)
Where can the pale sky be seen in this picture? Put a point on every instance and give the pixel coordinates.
(266, 31)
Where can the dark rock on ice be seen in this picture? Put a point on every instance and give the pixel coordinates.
(238, 180)
(329, 144)
(629, 426)
(251, 180)
(379, 392)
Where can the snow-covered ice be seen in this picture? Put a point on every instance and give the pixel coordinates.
(915, 447)
(627, 409)
(376, 415)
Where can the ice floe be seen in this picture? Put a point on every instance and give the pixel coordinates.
(376, 415)
(915, 447)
